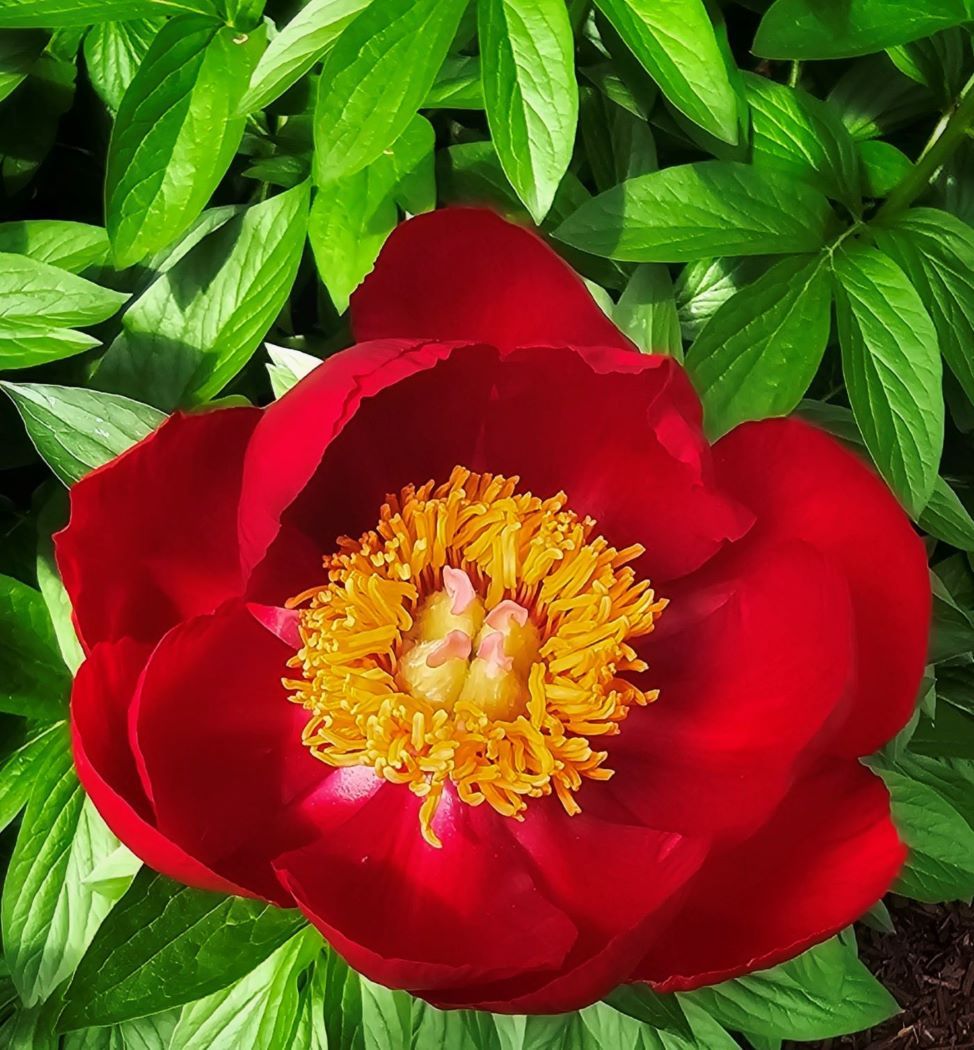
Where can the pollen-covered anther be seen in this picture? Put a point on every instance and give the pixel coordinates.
(478, 637)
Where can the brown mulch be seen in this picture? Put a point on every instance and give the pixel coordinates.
(928, 965)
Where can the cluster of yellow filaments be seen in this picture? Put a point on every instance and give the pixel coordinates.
(476, 636)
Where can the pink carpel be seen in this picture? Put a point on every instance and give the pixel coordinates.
(455, 646)
(457, 585)
(491, 651)
(506, 612)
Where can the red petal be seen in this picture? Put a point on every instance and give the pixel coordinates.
(219, 745)
(100, 701)
(617, 882)
(802, 484)
(468, 274)
(619, 432)
(829, 853)
(294, 433)
(152, 537)
(411, 916)
(744, 691)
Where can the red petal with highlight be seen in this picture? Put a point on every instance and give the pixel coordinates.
(467, 274)
(828, 854)
(803, 484)
(153, 535)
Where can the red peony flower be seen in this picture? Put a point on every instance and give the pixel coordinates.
(388, 649)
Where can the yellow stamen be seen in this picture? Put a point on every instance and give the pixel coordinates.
(495, 688)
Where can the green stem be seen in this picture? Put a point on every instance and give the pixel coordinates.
(946, 137)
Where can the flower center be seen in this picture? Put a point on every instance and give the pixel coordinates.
(476, 636)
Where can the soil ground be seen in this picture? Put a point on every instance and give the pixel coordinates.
(928, 964)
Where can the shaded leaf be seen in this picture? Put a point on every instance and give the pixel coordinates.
(892, 370)
(647, 313)
(76, 430)
(793, 132)
(936, 251)
(760, 351)
(808, 29)
(195, 327)
(33, 680)
(675, 42)
(165, 945)
(696, 211)
(113, 53)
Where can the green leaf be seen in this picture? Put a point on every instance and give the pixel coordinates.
(940, 62)
(883, 166)
(288, 367)
(703, 286)
(795, 133)
(376, 77)
(873, 98)
(176, 132)
(196, 326)
(953, 625)
(49, 913)
(646, 311)
(347, 226)
(660, 1011)
(892, 370)
(940, 866)
(29, 127)
(951, 778)
(72, 246)
(936, 251)
(618, 146)
(530, 93)
(601, 1026)
(947, 518)
(956, 686)
(113, 53)
(760, 351)
(950, 736)
(76, 430)
(51, 502)
(807, 29)
(696, 211)
(70, 13)
(165, 945)
(33, 680)
(146, 1033)
(18, 53)
(458, 85)
(675, 42)
(351, 218)
(29, 1030)
(24, 767)
(825, 992)
(463, 1029)
(36, 293)
(296, 48)
(26, 344)
(361, 1014)
(260, 1011)
(556, 1032)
